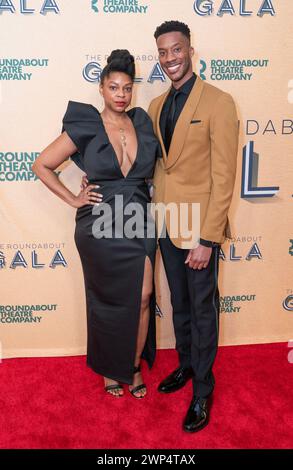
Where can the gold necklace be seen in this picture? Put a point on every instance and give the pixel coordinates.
(122, 136)
(123, 143)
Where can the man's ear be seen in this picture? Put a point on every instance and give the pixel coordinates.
(101, 89)
(191, 51)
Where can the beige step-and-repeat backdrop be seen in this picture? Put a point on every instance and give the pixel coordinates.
(52, 51)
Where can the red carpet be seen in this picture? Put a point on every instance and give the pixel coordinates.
(59, 403)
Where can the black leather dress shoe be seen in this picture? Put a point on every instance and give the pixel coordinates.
(176, 380)
(197, 416)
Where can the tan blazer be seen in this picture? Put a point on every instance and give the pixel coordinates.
(201, 163)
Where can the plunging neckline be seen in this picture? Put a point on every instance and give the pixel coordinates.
(113, 149)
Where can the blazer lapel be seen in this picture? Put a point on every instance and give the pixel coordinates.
(158, 129)
(182, 125)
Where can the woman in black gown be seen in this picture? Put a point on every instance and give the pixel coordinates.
(117, 149)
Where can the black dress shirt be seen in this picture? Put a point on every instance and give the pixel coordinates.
(184, 91)
(181, 99)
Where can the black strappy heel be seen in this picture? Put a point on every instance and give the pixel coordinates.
(117, 387)
(138, 387)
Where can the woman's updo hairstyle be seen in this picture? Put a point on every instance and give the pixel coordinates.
(120, 60)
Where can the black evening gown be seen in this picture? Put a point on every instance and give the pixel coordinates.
(113, 268)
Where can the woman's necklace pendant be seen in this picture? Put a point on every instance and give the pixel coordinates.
(122, 136)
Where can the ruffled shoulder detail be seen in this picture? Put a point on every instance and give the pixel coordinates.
(80, 121)
(144, 123)
(139, 117)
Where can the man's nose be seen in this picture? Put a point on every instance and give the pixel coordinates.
(170, 56)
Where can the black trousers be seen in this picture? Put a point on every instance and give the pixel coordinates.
(196, 306)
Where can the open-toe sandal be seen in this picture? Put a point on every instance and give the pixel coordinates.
(138, 387)
(115, 387)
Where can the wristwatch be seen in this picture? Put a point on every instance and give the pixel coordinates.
(208, 243)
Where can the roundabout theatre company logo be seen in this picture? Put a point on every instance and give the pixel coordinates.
(118, 6)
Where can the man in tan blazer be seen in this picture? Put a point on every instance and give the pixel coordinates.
(197, 126)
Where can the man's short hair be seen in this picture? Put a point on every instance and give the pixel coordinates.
(170, 27)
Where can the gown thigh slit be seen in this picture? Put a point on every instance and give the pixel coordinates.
(146, 261)
(113, 267)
